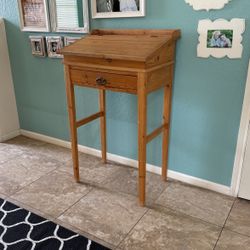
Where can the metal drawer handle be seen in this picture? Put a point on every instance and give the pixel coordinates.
(101, 81)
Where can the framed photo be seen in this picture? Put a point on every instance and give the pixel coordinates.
(207, 4)
(34, 15)
(117, 8)
(220, 38)
(38, 46)
(54, 44)
(69, 40)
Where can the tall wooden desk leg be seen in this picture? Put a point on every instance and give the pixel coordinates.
(165, 136)
(72, 122)
(142, 133)
(102, 103)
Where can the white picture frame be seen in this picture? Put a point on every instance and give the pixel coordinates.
(226, 38)
(119, 14)
(53, 19)
(27, 16)
(68, 40)
(54, 43)
(38, 47)
(207, 4)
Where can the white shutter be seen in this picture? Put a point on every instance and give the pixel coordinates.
(67, 8)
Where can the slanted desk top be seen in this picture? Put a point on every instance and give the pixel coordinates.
(136, 46)
(132, 61)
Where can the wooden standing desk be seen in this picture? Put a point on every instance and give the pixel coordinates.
(132, 61)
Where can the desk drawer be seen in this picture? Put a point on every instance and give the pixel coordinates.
(104, 80)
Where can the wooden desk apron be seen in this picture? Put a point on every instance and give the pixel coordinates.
(132, 61)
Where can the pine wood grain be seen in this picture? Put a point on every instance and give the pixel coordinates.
(89, 119)
(122, 46)
(102, 104)
(167, 101)
(131, 61)
(114, 81)
(142, 134)
(72, 122)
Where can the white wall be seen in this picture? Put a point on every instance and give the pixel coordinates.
(244, 191)
(9, 123)
(242, 139)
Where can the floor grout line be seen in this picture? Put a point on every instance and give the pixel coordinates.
(237, 232)
(12, 194)
(29, 207)
(82, 232)
(91, 189)
(29, 184)
(224, 224)
(55, 220)
(169, 183)
(52, 218)
(132, 228)
(187, 215)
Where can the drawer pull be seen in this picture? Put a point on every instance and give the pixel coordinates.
(101, 81)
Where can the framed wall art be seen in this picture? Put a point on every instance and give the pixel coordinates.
(38, 46)
(207, 4)
(69, 40)
(220, 38)
(34, 15)
(71, 16)
(54, 44)
(117, 8)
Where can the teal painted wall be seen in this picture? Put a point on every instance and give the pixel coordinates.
(207, 99)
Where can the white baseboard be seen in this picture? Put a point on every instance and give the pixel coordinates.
(10, 135)
(134, 163)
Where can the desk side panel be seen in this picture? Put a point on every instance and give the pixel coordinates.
(159, 78)
(163, 55)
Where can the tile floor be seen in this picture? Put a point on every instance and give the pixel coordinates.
(38, 176)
